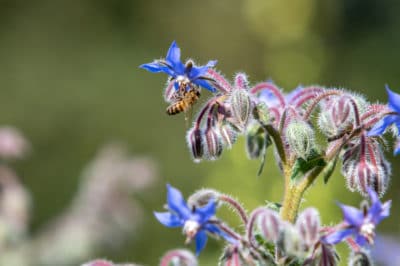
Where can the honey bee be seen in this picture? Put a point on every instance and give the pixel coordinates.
(184, 99)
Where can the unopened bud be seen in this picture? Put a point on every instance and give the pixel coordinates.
(238, 256)
(213, 143)
(255, 140)
(365, 166)
(241, 107)
(261, 113)
(232, 257)
(241, 81)
(202, 197)
(337, 117)
(308, 225)
(324, 255)
(290, 240)
(270, 225)
(178, 257)
(360, 258)
(194, 138)
(300, 137)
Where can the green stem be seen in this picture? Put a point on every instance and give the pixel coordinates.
(278, 142)
(294, 193)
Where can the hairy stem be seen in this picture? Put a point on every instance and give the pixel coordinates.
(316, 101)
(294, 193)
(236, 206)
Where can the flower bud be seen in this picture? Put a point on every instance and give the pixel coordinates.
(261, 113)
(308, 225)
(194, 138)
(202, 197)
(337, 117)
(234, 256)
(228, 135)
(270, 225)
(324, 255)
(178, 257)
(300, 137)
(359, 258)
(241, 81)
(255, 140)
(365, 166)
(290, 240)
(213, 143)
(241, 107)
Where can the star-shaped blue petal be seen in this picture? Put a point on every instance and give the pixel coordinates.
(180, 214)
(173, 67)
(380, 127)
(358, 224)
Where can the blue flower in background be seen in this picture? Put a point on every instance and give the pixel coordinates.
(361, 224)
(380, 127)
(180, 73)
(195, 222)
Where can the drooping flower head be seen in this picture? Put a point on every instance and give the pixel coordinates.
(195, 221)
(383, 124)
(360, 224)
(181, 74)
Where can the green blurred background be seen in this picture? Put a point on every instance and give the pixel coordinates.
(69, 79)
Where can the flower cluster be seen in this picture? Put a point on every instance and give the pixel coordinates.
(276, 234)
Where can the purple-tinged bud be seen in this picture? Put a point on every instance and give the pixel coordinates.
(308, 224)
(178, 257)
(213, 143)
(364, 165)
(228, 135)
(236, 256)
(270, 225)
(202, 197)
(255, 140)
(300, 137)
(241, 108)
(324, 255)
(261, 113)
(384, 169)
(360, 258)
(194, 138)
(341, 114)
(337, 118)
(241, 82)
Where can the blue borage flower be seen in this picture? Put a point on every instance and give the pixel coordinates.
(180, 73)
(195, 222)
(360, 224)
(380, 127)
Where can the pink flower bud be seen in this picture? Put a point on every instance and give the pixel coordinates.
(194, 138)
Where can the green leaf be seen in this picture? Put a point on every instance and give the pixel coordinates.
(267, 142)
(329, 169)
(301, 166)
(275, 206)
